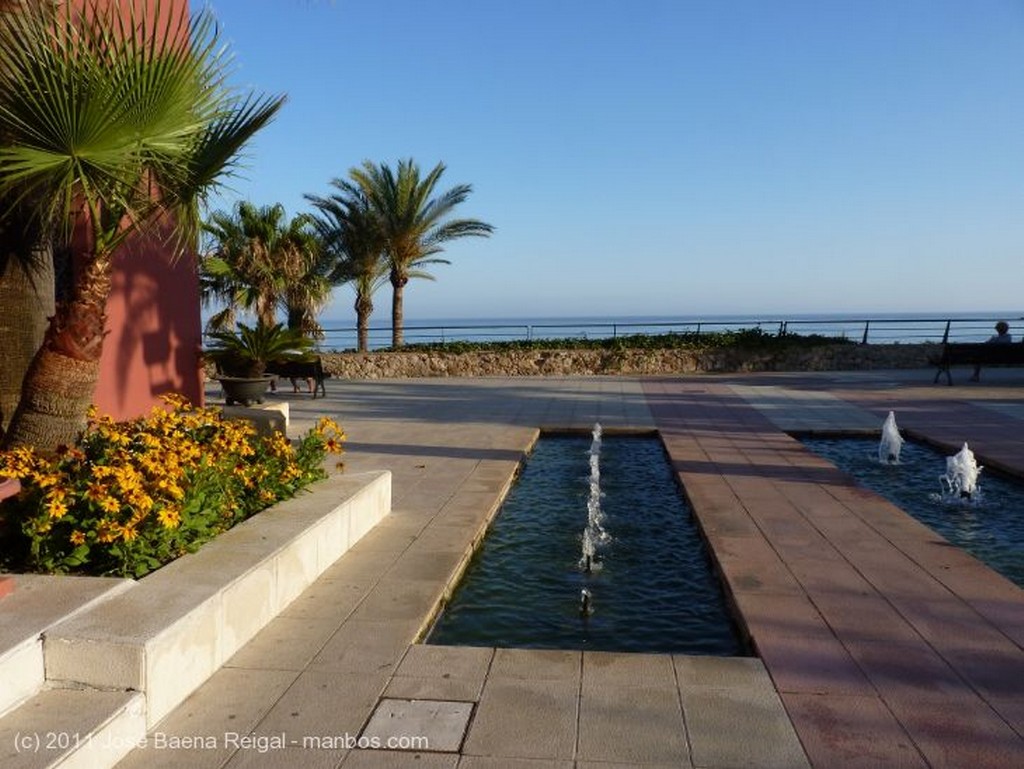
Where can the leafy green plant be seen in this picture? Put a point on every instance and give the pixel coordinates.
(135, 495)
(754, 339)
(247, 351)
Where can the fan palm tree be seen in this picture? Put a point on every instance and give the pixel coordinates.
(353, 240)
(415, 224)
(113, 120)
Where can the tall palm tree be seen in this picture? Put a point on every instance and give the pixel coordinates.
(113, 120)
(259, 261)
(353, 239)
(415, 225)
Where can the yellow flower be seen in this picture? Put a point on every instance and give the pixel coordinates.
(106, 532)
(142, 502)
(45, 480)
(290, 473)
(77, 537)
(109, 504)
(56, 508)
(169, 517)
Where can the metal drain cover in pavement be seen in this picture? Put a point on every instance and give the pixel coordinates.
(433, 725)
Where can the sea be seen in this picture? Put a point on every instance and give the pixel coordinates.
(902, 328)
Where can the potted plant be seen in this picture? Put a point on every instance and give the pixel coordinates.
(242, 356)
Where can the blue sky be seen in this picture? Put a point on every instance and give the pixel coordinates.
(664, 157)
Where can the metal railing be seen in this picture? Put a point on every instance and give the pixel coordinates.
(863, 330)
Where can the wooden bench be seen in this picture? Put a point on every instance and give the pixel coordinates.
(313, 369)
(977, 354)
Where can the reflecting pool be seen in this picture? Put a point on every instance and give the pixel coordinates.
(650, 587)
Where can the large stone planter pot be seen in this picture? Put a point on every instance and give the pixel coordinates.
(244, 390)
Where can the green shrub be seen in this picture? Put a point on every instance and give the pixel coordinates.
(749, 339)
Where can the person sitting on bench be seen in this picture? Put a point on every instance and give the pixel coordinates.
(1002, 336)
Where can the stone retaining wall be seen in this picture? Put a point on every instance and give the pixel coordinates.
(387, 365)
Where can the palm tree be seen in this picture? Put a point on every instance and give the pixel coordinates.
(353, 239)
(307, 268)
(240, 267)
(26, 304)
(259, 261)
(114, 121)
(415, 225)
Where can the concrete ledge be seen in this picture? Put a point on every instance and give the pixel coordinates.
(177, 626)
(72, 729)
(35, 603)
(268, 418)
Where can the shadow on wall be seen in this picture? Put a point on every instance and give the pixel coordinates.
(155, 333)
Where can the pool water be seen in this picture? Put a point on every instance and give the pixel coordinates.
(654, 590)
(990, 525)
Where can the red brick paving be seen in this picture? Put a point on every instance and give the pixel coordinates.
(889, 647)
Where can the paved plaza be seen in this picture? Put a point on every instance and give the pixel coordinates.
(878, 645)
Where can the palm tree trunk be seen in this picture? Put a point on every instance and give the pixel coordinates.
(398, 282)
(26, 305)
(364, 308)
(61, 381)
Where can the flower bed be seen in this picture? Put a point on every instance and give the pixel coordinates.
(133, 496)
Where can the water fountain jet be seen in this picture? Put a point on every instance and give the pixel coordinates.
(962, 471)
(892, 442)
(594, 535)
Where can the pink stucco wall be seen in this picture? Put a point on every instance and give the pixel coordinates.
(153, 318)
(155, 332)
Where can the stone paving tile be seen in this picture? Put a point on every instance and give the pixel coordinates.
(327, 599)
(232, 702)
(470, 662)
(441, 673)
(366, 646)
(650, 671)
(287, 643)
(523, 718)
(433, 688)
(740, 726)
(848, 732)
(399, 599)
(953, 734)
(324, 704)
(394, 759)
(721, 672)
(825, 572)
(750, 564)
(487, 762)
(537, 664)
(781, 614)
(909, 670)
(424, 563)
(863, 617)
(632, 725)
(286, 758)
(437, 725)
(811, 665)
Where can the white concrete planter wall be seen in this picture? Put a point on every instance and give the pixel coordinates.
(174, 628)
